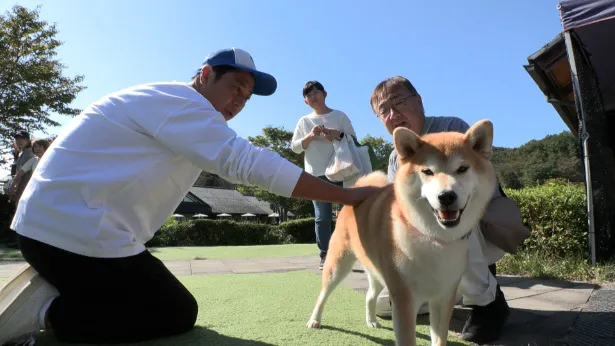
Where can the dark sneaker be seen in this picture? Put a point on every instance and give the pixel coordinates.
(485, 323)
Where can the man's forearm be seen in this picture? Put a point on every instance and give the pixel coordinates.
(312, 188)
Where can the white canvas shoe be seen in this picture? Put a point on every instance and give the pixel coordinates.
(24, 300)
(384, 309)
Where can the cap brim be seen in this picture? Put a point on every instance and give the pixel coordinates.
(264, 83)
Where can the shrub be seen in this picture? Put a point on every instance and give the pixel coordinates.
(299, 231)
(557, 216)
(226, 232)
(214, 232)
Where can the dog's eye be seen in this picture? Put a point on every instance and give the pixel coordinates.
(427, 171)
(462, 169)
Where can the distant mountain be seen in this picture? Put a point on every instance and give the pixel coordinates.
(555, 156)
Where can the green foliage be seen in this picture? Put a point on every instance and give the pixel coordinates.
(215, 232)
(226, 232)
(543, 266)
(382, 149)
(213, 180)
(555, 156)
(32, 84)
(557, 216)
(300, 231)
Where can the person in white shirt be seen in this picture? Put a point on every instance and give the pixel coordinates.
(106, 185)
(39, 147)
(314, 135)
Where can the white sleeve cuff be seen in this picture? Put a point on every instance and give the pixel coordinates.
(297, 146)
(286, 179)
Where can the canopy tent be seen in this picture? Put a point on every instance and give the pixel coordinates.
(576, 73)
(592, 22)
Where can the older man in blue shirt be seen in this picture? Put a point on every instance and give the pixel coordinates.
(397, 103)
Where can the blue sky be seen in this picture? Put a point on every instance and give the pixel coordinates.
(465, 58)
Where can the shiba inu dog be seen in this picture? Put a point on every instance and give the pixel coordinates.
(412, 235)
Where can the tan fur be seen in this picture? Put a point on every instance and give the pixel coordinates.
(396, 236)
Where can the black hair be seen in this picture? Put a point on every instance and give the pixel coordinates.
(311, 86)
(219, 71)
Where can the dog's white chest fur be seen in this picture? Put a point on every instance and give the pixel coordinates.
(431, 268)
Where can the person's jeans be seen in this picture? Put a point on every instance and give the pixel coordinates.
(323, 213)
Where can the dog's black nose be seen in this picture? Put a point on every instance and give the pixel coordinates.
(447, 198)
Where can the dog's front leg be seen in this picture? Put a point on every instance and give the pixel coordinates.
(375, 287)
(440, 313)
(404, 317)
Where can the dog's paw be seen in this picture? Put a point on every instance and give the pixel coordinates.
(373, 324)
(313, 324)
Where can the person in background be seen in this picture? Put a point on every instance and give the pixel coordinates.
(22, 153)
(314, 135)
(39, 147)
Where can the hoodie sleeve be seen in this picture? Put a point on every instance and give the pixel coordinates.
(347, 127)
(201, 134)
(298, 136)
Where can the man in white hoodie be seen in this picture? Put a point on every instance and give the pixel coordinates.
(107, 184)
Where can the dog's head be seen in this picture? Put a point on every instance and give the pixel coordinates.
(445, 180)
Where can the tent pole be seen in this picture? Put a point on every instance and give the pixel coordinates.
(585, 137)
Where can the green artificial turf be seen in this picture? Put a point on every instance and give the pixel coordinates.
(273, 309)
(209, 252)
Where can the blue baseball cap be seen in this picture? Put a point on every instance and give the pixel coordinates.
(20, 133)
(264, 83)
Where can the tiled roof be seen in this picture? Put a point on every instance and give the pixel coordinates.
(228, 201)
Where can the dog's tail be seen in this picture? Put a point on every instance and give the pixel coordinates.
(377, 178)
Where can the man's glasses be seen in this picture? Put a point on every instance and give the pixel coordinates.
(399, 103)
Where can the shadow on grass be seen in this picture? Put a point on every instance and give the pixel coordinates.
(376, 340)
(203, 336)
(380, 341)
(197, 336)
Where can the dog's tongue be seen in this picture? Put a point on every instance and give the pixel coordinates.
(448, 214)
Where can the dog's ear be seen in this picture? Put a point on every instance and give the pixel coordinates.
(407, 143)
(480, 138)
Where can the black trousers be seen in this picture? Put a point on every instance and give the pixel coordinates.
(115, 300)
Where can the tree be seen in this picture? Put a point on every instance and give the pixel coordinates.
(32, 83)
(278, 139)
(381, 149)
(212, 180)
(537, 161)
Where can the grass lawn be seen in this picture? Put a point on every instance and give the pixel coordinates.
(211, 252)
(217, 252)
(272, 309)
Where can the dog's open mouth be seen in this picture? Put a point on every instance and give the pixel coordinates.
(448, 218)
